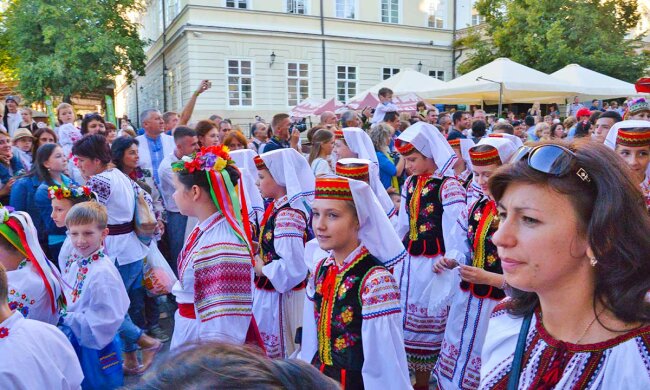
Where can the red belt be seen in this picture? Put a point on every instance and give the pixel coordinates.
(186, 310)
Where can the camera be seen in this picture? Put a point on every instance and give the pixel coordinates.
(300, 125)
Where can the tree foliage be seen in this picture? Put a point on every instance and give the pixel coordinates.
(66, 47)
(550, 34)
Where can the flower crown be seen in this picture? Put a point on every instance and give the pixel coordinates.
(69, 192)
(4, 213)
(212, 158)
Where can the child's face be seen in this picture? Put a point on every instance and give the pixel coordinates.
(24, 144)
(387, 98)
(86, 239)
(66, 115)
(60, 208)
(418, 164)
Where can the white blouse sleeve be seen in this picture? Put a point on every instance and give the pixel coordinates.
(457, 244)
(402, 217)
(288, 240)
(453, 199)
(96, 325)
(384, 365)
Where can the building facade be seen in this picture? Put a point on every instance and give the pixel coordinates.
(265, 56)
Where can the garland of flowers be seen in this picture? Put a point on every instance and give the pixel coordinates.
(214, 158)
(74, 192)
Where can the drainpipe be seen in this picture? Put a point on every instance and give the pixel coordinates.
(164, 64)
(323, 57)
(453, 43)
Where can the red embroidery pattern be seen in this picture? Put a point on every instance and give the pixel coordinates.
(4, 332)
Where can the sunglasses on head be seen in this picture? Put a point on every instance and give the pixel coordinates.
(554, 160)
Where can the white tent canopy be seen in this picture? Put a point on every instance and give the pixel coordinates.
(406, 81)
(594, 85)
(520, 83)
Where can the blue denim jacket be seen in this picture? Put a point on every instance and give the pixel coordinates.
(16, 166)
(22, 199)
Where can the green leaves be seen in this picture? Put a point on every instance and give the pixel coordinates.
(550, 34)
(66, 47)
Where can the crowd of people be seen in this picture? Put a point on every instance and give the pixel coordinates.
(380, 250)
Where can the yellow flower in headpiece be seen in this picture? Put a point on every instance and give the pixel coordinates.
(220, 164)
(66, 193)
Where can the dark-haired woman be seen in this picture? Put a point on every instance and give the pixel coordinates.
(50, 165)
(578, 317)
(10, 167)
(481, 286)
(118, 193)
(93, 124)
(213, 291)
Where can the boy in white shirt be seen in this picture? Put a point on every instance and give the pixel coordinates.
(385, 105)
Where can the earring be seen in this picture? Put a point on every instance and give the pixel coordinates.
(593, 261)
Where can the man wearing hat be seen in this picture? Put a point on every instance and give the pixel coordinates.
(582, 115)
(12, 117)
(22, 145)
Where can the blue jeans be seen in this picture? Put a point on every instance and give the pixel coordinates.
(176, 224)
(131, 328)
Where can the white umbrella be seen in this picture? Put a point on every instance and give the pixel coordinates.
(594, 85)
(502, 81)
(406, 81)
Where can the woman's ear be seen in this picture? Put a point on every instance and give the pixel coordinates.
(196, 192)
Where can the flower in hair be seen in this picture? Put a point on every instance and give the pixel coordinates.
(212, 158)
(68, 192)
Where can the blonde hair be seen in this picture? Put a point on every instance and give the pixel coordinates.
(28, 110)
(87, 213)
(61, 107)
(541, 127)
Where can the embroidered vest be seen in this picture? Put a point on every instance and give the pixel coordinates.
(337, 306)
(268, 249)
(424, 204)
(483, 223)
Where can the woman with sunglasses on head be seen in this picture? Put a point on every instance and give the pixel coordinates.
(481, 286)
(354, 298)
(432, 200)
(578, 317)
(631, 141)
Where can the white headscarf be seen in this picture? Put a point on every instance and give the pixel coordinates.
(375, 184)
(428, 140)
(291, 170)
(505, 147)
(244, 161)
(360, 143)
(513, 138)
(610, 141)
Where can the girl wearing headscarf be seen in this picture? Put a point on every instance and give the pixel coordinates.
(34, 283)
(482, 287)
(280, 270)
(358, 338)
(432, 199)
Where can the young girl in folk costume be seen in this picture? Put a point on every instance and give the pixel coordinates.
(355, 299)
(68, 134)
(213, 291)
(432, 199)
(364, 170)
(462, 169)
(97, 299)
(353, 142)
(34, 283)
(63, 198)
(280, 270)
(470, 246)
(632, 142)
(245, 162)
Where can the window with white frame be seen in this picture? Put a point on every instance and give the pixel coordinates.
(240, 83)
(296, 7)
(346, 82)
(297, 82)
(243, 4)
(388, 72)
(476, 17)
(172, 11)
(437, 13)
(346, 9)
(390, 11)
(439, 74)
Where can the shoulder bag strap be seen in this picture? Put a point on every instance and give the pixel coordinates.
(517, 361)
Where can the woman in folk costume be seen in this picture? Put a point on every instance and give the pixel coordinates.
(432, 199)
(34, 282)
(631, 140)
(280, 270)
(358, 338)
(213, 291)
(573, 243)
(481, 289)
(353, 142)
(366, 171)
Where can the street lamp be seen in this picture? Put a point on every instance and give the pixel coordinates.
(272, 59)
(420, 66)
(500, 92)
